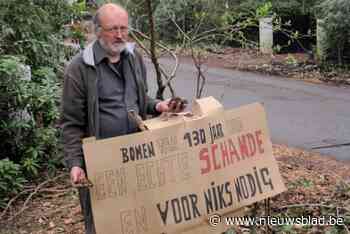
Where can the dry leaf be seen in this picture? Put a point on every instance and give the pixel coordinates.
(52, 225)
(68, 221)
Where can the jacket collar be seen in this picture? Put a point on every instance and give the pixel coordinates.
(90, 53)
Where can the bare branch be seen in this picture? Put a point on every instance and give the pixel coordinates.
(197, 60)
(13, 200)
(139, 42)
(153, 50)
(168, 77)
(164, 47)
(36, 190)
(199, 25)
(180, 29)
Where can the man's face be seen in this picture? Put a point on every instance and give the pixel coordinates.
(114, 31)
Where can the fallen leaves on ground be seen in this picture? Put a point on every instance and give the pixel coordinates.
(295, 65)
(317, 185)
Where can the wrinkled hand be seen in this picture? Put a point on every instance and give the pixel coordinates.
(77, 175)
(173, 105)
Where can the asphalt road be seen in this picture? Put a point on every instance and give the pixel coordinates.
(300, 114)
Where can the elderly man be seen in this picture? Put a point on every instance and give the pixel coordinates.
(102, 84)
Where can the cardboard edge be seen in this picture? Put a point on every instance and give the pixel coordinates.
(89, 140)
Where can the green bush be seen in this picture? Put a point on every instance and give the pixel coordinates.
(32, 56)
(336, 21)
(29, 111)
(33, 29)
(11, 180)
(294, 7)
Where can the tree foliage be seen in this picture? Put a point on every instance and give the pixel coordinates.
(336, 22)
(11, 180)
(32, 56)
(32, 29)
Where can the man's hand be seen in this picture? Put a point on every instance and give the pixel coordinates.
(174, 105)
(77, 175)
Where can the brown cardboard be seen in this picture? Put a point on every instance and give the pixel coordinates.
(171, 178)
(206, 106)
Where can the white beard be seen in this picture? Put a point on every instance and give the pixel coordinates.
(121, 47)
(113, 49)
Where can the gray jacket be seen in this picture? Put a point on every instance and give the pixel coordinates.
(79, 109)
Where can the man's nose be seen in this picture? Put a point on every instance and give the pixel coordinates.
(118, 34)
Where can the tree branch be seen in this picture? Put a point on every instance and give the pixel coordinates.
(168, 77)
(35, 191)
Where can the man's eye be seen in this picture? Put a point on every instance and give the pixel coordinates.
(115, 29)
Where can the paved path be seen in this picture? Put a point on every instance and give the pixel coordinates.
(299, 114)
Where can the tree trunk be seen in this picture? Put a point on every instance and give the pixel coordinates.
(154, 58)
(340, 52)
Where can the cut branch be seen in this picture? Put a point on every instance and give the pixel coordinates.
(168, 77)
(154, 58)
(12, 201)
(33, 192)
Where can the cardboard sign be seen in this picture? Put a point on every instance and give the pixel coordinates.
(172, 177)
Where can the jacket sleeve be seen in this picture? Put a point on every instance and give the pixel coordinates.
(73, 116)
(150, 102)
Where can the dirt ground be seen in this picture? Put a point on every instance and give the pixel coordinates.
(317, 185)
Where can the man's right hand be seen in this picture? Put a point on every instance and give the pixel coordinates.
(77, 175)
(173, 105)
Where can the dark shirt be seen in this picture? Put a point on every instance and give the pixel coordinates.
(116, 96)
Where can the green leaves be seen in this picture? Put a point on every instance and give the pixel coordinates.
(9, 65)
(264, 10)
(302, 183)
(31, 163)
(11, 179)
(34, 28)
(32, 56)
(29, 110)
(336, 17)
